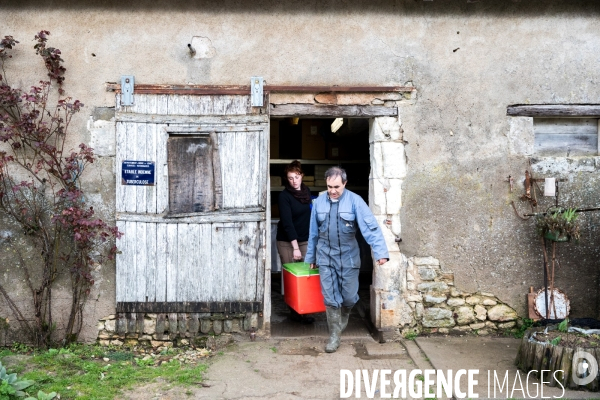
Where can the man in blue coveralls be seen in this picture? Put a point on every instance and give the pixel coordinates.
(332, 247)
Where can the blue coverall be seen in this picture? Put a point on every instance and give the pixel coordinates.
(333, 247)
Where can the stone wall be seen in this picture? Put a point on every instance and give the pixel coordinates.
(166, 329)
(439, 306)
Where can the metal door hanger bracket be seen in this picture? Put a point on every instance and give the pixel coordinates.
(127, 84)
(256, 91)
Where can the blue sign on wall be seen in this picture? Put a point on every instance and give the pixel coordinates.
(137, 173)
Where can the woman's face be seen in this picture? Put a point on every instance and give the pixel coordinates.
(294, 179)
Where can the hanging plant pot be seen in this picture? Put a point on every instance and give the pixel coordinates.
(557, 236)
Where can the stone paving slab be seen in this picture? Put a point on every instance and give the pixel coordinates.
(489, 354)
(283, 369)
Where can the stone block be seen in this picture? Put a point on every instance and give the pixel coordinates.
(390, 276)
(235, 325)
(480, 312)
(104, 335)
(435, 299)
(411, 286)
(217, 327)
(478, 325)
(435, 313)
(472, 300)
(377, 200)
(104, 342)
(384, 128)
(110, 325)
(149, 326)
(227, 324)
(454, 292)
(145, 337)
(414, 297)
(253, 319)
(394, 160)
(486, 294)
(393, 310)
(100, 326)
(432, 286)
(116, 342)
(427, 274)
(464, 315)
(501, 313)
(205, 325)
(491, 325)
(444, 331)
(455, 302)
(426, 262)
(419, 309)
(483, 332)
(507, 325)
(464, 328)
(111, 316)
(409, 277)
(439, 323)
(388, 234)
(393, 196)
(489, 302)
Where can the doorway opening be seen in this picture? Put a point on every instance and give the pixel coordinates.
(319, 143)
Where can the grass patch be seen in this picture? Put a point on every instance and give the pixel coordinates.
(80, 372)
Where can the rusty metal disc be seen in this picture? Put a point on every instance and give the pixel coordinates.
(560, 306)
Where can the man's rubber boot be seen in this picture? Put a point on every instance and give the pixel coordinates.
(345, 316)
(334, 323)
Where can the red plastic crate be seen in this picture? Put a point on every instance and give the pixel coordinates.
(302, 288)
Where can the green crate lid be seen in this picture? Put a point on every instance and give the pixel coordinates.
(300, 269)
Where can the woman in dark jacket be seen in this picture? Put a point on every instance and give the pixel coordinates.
(293, 226)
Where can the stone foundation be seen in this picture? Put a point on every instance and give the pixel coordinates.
(438, 306)
(168, 329)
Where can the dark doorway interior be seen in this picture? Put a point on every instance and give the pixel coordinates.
(312, 142)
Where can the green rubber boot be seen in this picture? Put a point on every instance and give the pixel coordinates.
(345, 313)
(334, 323)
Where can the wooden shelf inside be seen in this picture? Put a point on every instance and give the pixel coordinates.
(320, 188)
(328, 162)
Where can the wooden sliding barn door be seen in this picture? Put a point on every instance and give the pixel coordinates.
(195, 241)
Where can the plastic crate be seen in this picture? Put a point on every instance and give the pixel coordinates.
(302, 288)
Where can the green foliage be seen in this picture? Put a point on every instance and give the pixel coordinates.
(564, 325)
(79, 372)
(555, 341)
(411, 335)
(525, 324)
(10, 386)
(561, 224)
(43, 396)
(140, 362)
(274, 349)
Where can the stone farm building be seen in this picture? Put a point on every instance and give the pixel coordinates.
(441, 102)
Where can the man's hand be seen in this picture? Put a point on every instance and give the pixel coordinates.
(313, 266)
(382, 261)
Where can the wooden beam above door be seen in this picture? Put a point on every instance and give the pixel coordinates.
(329, 111)
(241, 89)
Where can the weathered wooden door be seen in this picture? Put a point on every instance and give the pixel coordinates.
(195, 241)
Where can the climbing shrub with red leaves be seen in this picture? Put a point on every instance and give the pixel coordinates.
(40, 191)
